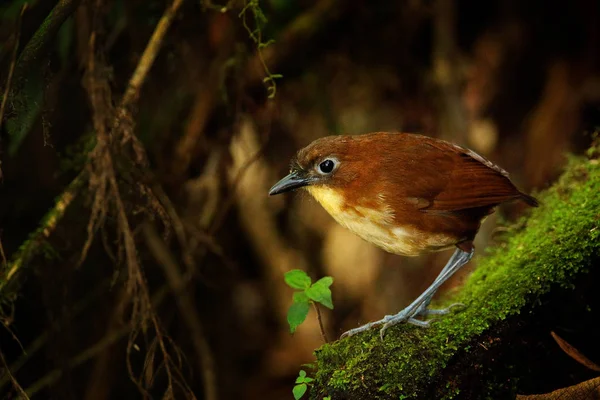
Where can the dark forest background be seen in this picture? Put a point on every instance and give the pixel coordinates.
(141, 255)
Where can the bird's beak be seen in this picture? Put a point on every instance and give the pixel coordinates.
(293, 181)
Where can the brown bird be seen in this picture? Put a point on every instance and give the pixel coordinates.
(405, 193)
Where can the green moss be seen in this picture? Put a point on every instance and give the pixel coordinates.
(556, 245)
(36, 243)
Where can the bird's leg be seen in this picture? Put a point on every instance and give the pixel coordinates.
(458, 259)
(423, 310)
(419, 306)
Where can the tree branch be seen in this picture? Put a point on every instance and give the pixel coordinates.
(42, 38)
(513, 299)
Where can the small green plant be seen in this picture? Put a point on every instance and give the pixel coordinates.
(302, 382)
(308, 293)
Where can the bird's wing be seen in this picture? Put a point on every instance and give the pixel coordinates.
(450, 178)
(472, 184)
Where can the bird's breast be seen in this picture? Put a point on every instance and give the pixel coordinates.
(378, 225)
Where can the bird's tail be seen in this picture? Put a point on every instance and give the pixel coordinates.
(530, 200)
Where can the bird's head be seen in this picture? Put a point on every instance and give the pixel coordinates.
(323, 163)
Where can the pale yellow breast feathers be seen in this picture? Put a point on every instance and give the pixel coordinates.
(330, 199)
(374, 226)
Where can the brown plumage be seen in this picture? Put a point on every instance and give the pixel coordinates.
(432, 187)
(405, 193)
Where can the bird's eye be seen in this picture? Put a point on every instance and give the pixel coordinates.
(326, 166)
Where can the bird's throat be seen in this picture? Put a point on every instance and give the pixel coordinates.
(332, 200)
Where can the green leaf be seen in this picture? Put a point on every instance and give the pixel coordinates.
(320, 293)
(325, 281)
(297, 314)
(297, 279)
(302, 378)
(301, 297)
(299, 391)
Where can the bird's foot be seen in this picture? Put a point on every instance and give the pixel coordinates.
(407, 315)
(403, 316)
(419, 306)
(363, 328)
(388, 321)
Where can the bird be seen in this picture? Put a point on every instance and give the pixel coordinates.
(406, 193)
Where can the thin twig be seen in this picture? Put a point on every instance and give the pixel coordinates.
(12, 378)
(574, 353)
(6, 321)
(187, 309)
(137, 281)
(177, 224)
(147, 60)
(318, 311)
(2, 254)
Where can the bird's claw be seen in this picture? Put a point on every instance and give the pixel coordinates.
(403, 316)
(363, 328)
(387, 321)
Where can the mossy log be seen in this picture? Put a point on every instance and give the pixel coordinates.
(516, 296)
